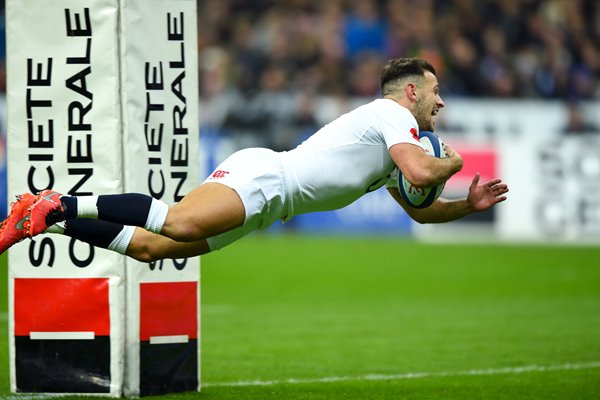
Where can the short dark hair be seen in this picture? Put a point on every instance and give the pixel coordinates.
(400, 68)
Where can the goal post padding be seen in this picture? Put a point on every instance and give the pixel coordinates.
(78, 101)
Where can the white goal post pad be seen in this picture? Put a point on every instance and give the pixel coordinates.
(76, 95)
(159, 84)
(64, 132)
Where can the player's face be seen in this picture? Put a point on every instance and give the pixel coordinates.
(428, 102)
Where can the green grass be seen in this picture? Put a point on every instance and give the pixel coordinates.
(281, 308)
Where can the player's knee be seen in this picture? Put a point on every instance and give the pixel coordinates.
(144, 257)
(188, 231)
(185, 233)
(143, 253)
(181, 228)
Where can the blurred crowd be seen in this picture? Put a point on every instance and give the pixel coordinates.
(264, 64)
(273, 71)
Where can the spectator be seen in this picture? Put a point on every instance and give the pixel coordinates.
(280, 51)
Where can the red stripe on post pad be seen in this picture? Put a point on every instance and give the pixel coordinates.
(168, 309)
(61, 305)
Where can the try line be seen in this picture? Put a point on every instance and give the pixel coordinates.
(368, 377)
(413, 375)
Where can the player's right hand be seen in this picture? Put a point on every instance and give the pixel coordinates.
(453, 154)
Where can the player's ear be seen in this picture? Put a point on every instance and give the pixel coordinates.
(411, 91)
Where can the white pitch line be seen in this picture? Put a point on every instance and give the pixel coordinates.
(369, 377)
(413, 375)
(34, 396)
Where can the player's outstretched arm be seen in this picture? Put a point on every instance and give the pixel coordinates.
(480, 198)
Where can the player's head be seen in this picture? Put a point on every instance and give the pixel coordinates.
(412, 82)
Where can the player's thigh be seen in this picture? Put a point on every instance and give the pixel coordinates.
(208, 210)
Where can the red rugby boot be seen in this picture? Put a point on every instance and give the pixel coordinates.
(15, 227)
(46, 211)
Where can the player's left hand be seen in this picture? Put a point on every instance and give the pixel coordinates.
(481, 197)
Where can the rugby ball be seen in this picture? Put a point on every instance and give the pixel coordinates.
(419, 197)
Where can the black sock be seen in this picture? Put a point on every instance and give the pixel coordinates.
(93, 231)
(127, 208)
(69, 204)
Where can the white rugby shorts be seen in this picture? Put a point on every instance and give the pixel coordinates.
(257, 175)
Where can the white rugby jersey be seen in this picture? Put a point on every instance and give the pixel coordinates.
(347, 157)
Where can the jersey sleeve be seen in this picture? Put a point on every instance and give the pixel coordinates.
(398, 125)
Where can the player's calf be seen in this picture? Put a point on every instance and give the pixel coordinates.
(134, 209)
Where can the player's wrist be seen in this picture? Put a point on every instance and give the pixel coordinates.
(470, 205)
(457, 162)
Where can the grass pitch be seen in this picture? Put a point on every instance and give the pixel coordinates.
(385, 318)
